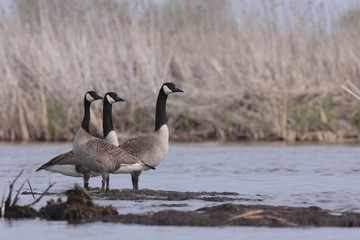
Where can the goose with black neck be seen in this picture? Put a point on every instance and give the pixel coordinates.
(66, 163)
(151, 148)
(98, 155)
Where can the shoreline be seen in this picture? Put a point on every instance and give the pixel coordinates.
(246, 142)
(79, 208)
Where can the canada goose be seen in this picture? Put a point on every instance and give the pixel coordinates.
(101, 156)
(67, 163)
(151, 148)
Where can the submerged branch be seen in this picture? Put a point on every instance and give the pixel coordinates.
(31, 190)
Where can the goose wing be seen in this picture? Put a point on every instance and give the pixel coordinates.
(67, 158)
(140, 144)
(110, 157)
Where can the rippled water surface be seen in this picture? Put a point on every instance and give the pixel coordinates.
(325, 176)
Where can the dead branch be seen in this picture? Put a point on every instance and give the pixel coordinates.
(11, 187)
(18, 192)
(3, 203)
(31, 190)
(39, 198)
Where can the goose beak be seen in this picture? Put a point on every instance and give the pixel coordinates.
(177, 90)
(119, 99)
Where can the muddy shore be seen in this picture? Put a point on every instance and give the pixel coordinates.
(242, 215)
(80, 208)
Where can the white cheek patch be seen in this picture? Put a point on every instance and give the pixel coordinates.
(89, 98)
(110, 99)
(167, 90)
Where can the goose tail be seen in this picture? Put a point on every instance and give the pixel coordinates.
(151, 167)
(40, 168)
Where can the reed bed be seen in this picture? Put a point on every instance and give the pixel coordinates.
(260, 74)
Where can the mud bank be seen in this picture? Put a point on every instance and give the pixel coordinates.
(148, 194)
(242, 215)
(160, 195)
(79, 208)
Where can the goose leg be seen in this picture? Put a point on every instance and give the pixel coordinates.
(86, 178)
(135, 179)
(104, 179)
(107, 183)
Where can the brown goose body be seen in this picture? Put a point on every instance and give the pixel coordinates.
(100, 156)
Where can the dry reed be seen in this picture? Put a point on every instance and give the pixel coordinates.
(246, 74)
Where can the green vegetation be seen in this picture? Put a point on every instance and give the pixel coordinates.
(138, 117)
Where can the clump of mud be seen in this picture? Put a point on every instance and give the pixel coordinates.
(19, 212)
(79, 206)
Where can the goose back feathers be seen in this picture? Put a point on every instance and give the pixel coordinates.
(151, 148)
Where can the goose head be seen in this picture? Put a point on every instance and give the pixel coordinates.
(169, 88)
(112, 97)
(91, 96)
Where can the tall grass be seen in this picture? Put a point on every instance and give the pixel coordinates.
(264, 74)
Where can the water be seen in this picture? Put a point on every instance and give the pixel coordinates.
(325, 176)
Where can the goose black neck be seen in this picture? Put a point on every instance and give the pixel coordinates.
(107, 118)
(86, 120)
(160, 118)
